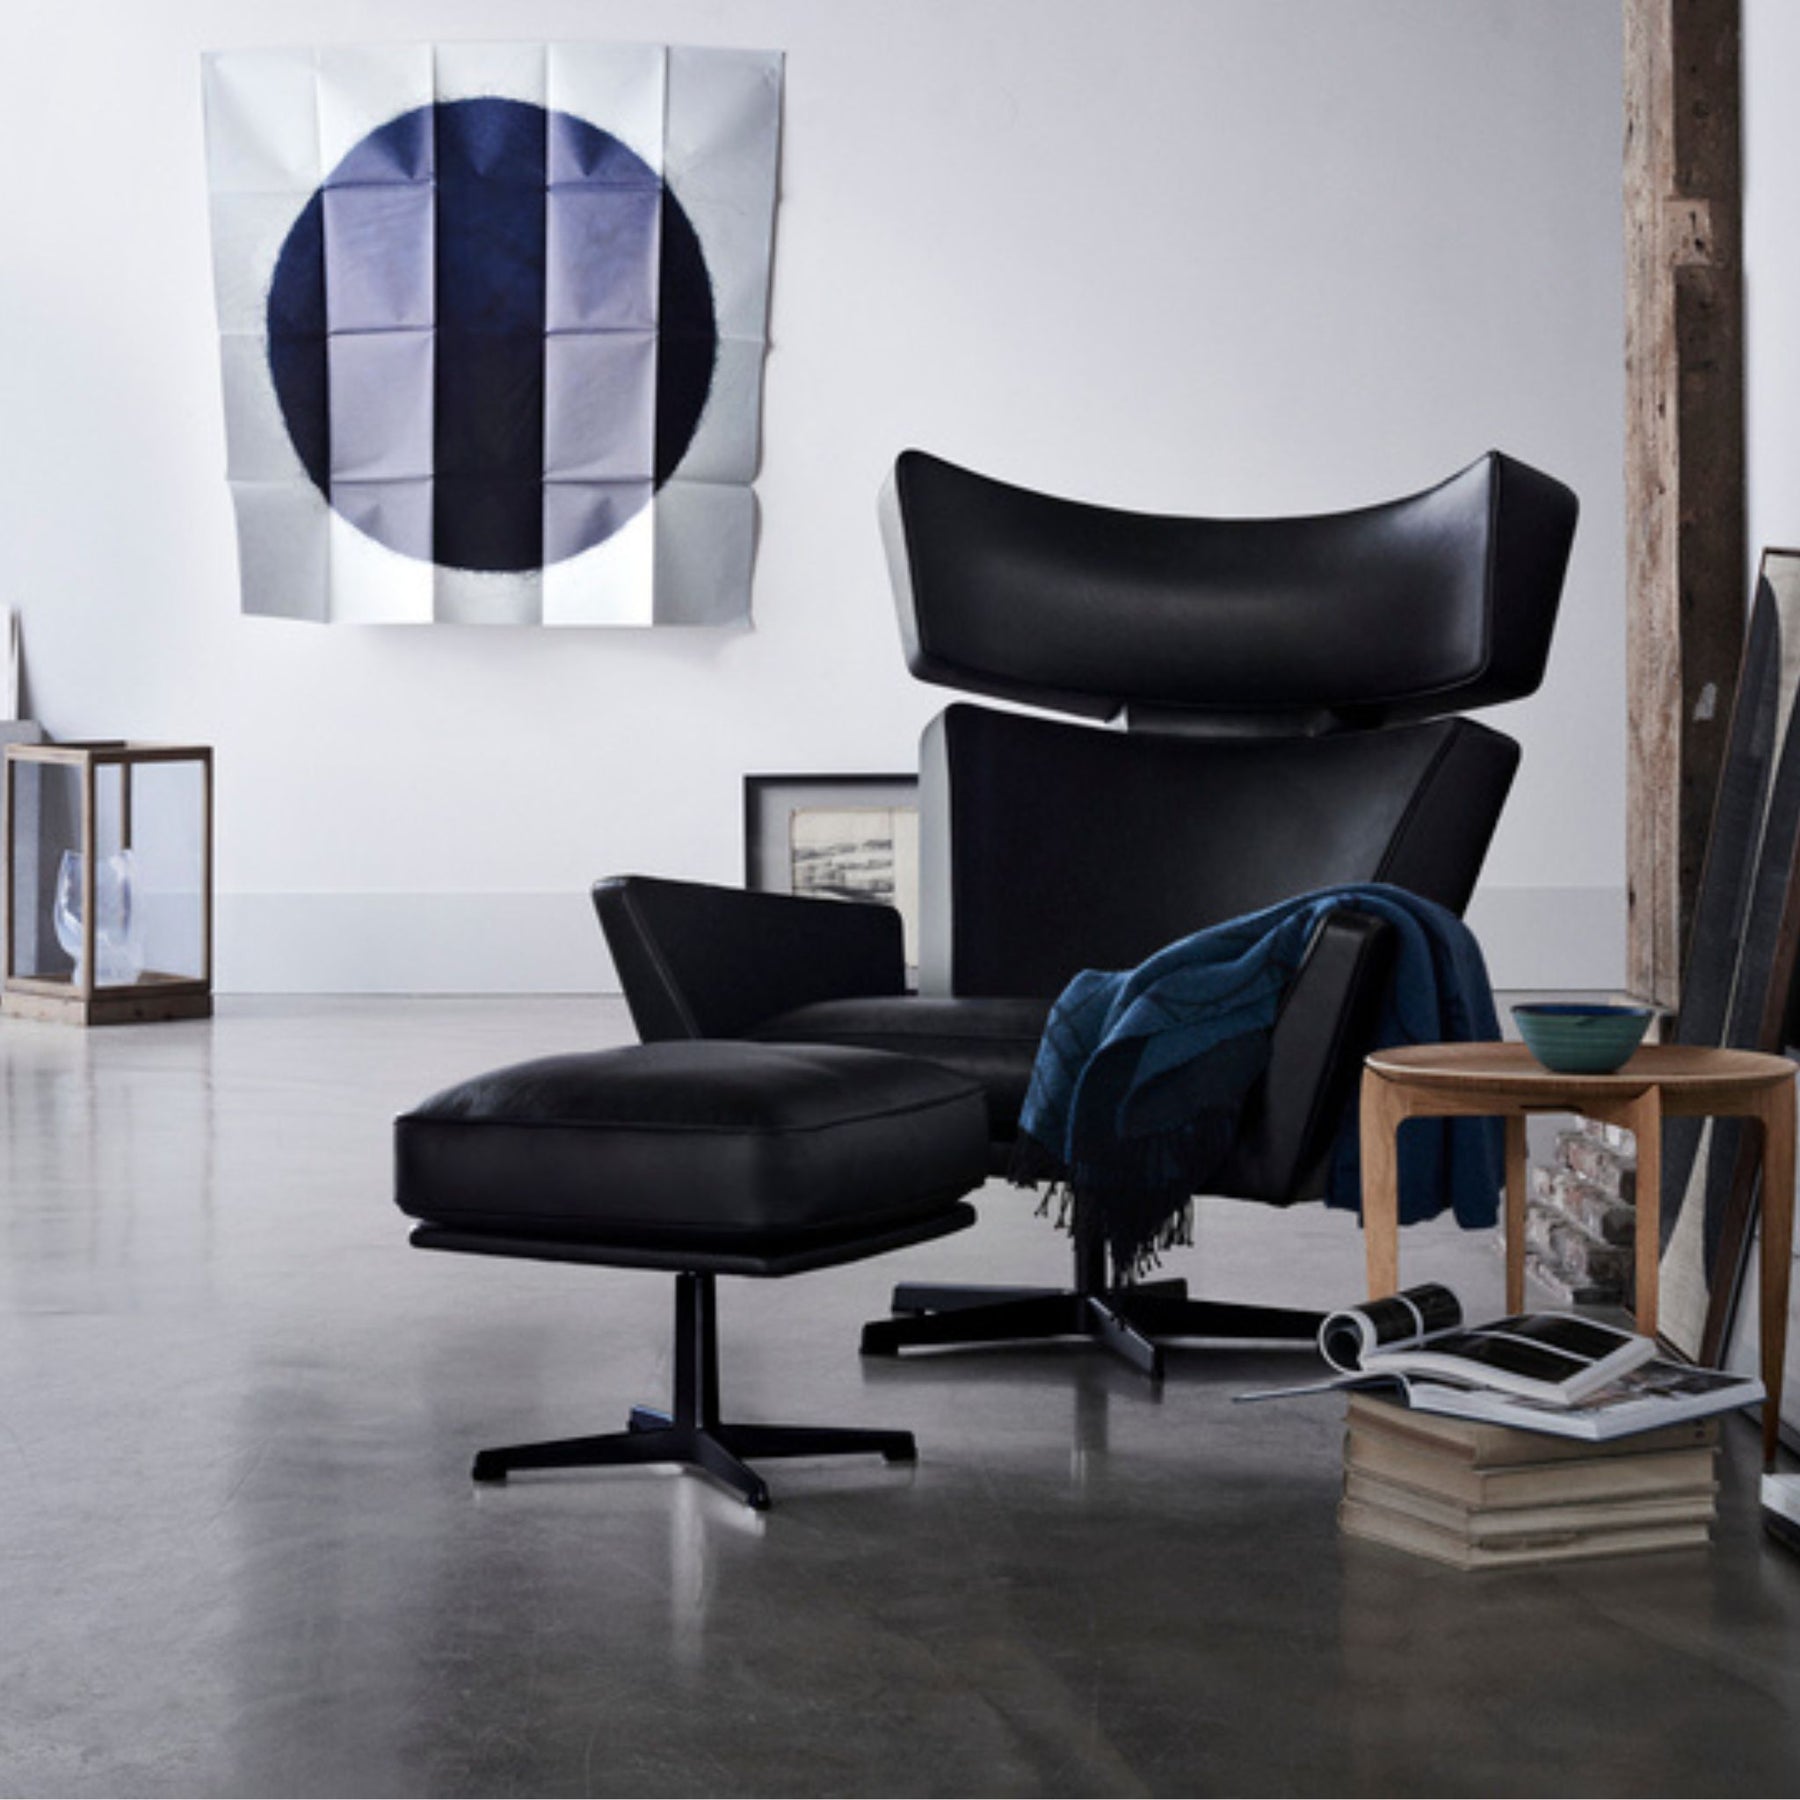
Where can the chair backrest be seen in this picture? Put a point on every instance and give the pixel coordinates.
(1285, 685)
(1047, 848)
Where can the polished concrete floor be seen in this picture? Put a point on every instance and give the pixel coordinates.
(240, 1553)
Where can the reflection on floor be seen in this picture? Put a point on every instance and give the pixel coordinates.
(240, 1554)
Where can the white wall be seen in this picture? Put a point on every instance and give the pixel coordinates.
(1772, 275)
(1227, 256)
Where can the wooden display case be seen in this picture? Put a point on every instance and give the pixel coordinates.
(108, 866)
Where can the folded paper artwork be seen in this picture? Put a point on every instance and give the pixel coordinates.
(492, 322)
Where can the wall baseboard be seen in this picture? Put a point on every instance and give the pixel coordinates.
(411, 944)
(1535, 938)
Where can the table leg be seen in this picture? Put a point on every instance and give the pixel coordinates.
(1775, 1110)
(1643, 1118)
(1641, 1115)
(1518, 1174)
(1383, 1109)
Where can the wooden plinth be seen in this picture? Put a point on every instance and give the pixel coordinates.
(152, 999)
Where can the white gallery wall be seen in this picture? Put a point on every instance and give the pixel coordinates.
(1772, 275)
(1216, 256)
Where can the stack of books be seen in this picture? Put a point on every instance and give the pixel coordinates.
(1483, 1496)
(1539, 1438)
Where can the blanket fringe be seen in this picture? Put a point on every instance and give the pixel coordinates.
(1143, 1210)
(1056, 1203)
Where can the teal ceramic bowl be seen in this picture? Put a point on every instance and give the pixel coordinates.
(1574, 1037)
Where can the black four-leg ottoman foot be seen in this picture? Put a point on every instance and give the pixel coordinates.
(819, 1440)
(691, 1446)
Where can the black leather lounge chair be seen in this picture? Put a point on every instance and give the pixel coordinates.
(1288, 691)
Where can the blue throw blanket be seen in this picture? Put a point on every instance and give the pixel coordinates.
(1140, 1077)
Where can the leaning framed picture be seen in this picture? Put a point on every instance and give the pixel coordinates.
(1741, 988)
(839, 837)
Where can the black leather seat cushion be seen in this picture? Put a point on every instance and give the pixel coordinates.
(992, 1041)
(700, 1142)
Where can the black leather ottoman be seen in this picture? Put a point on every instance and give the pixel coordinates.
(703, 1158)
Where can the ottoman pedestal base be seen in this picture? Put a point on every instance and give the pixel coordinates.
(693, 1434)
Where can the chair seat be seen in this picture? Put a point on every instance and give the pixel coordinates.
(699, 1144)
(993, 1042)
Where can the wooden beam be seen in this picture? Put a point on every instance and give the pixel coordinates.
(1684, 456)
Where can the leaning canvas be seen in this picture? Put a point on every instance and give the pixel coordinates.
(492, 322)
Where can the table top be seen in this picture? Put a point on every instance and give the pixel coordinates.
(1511, 1069)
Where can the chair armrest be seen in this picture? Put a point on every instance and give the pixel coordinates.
(698, 961)
(1324, 1029)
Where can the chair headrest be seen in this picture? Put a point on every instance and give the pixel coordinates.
(1432, 604)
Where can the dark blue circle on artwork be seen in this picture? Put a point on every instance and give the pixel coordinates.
(491, 335)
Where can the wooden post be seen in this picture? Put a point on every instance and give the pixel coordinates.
(1684, 456)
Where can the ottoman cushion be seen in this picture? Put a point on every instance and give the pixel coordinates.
(694, 1142)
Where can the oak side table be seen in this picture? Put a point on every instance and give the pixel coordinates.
(1660, 1080)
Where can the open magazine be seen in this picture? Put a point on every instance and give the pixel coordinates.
(1553, 1357)
(1549, 1372)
